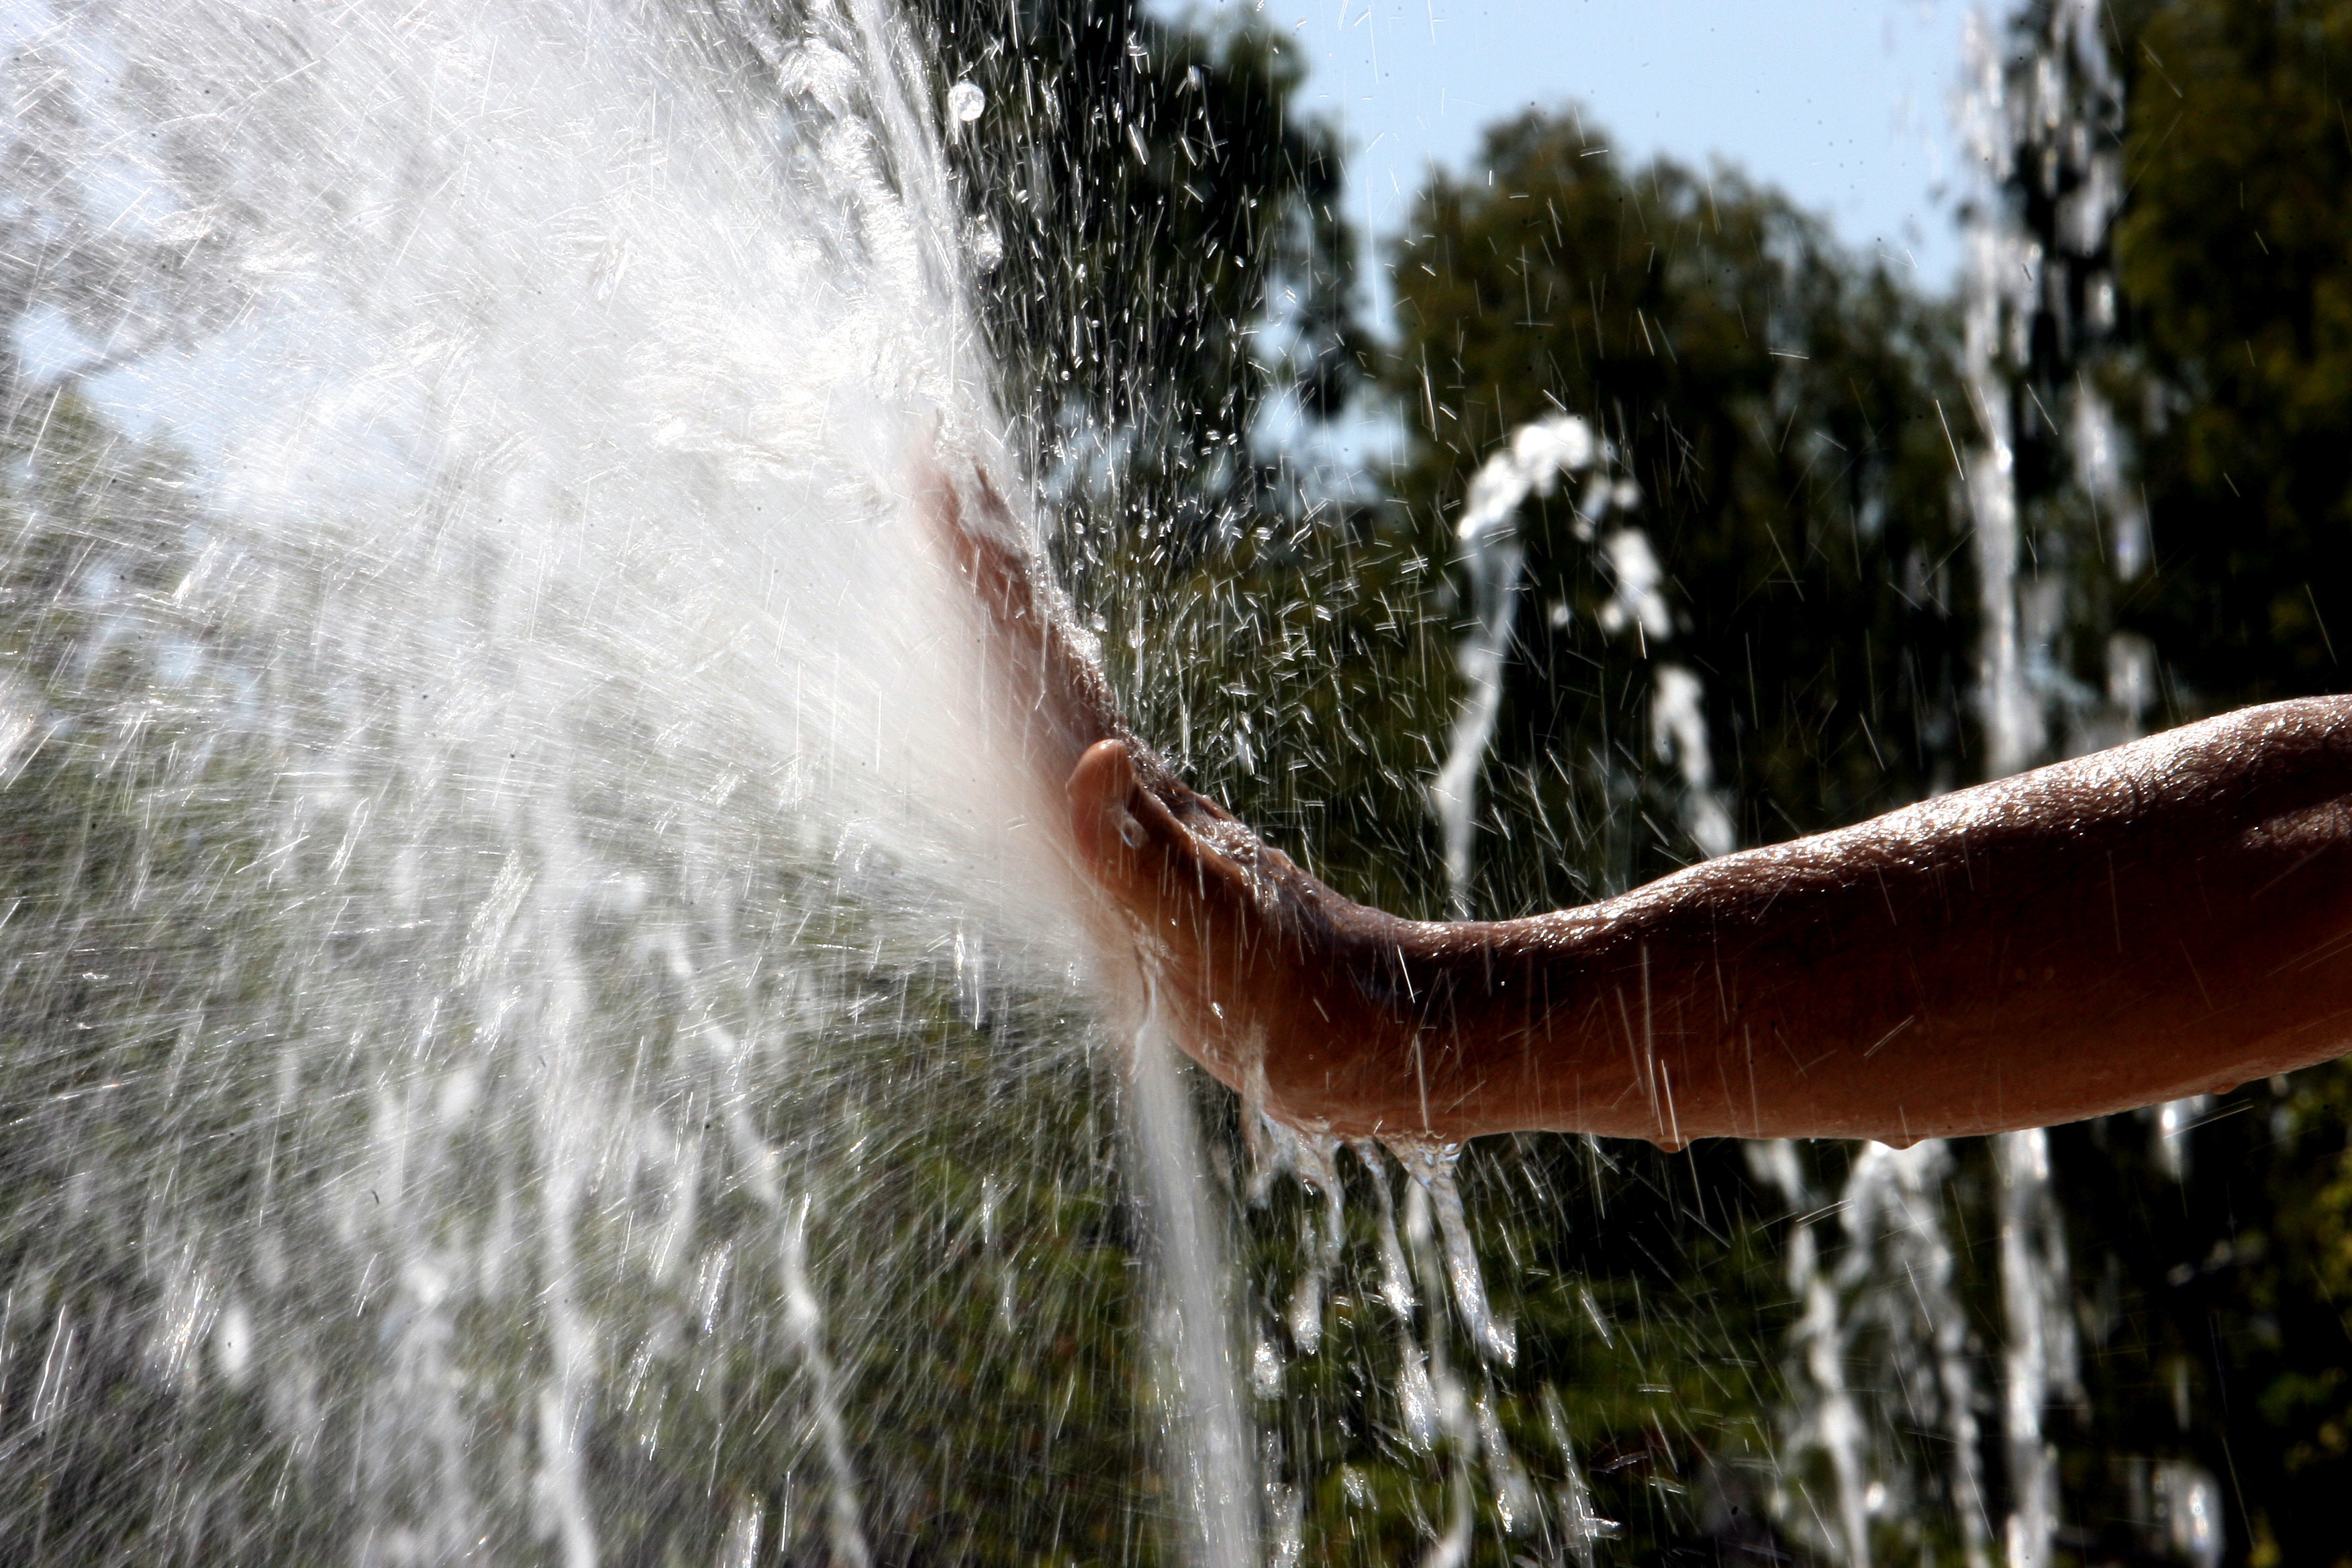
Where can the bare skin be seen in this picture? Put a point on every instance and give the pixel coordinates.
(2168, 917)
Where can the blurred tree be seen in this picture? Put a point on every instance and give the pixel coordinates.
(1171, 261)
(1781, 407)
(2216, 1303)
(2235, 251)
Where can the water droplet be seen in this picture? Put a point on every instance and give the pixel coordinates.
(966, 103)
(987, 246)
(1417, 1399)
(1265, 1369)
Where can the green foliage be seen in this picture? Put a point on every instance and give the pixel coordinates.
(2235, 252)
(1648, 1314)
(1173, 255)
(1780, 405)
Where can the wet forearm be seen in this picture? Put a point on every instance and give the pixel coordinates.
(2156, 919)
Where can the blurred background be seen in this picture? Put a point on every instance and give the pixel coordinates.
(1986, 380)
(1921, 393)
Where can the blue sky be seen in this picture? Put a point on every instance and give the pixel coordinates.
(1845, 104)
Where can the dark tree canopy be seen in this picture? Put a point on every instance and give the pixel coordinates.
(1777, 403)
(2235, 251)
(1173, 255)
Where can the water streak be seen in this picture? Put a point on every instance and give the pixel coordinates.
(1531, 463)
(1197, 1335)
(467, 481)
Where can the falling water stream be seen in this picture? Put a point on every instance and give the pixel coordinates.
(1882, 1337)
(1530, 464)
(515, 861)
(507, 820)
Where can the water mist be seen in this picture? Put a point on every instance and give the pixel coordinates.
(513, 841)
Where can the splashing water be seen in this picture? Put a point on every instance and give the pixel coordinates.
(1433, 1167)
(512, 846)
(1529, 465)
(517, 866)
(2039, 1360)
(1875, 1277)
(1196, 1325)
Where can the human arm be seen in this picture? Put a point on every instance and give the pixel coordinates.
(2164, 918)
(2171, 916)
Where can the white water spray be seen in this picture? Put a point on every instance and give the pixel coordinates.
(1531, 464)
(468, 514)
(1534, 458)
(1197, 1335)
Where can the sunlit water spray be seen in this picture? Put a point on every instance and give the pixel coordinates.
(509, 814)
(514, 873)
(1529, 466)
